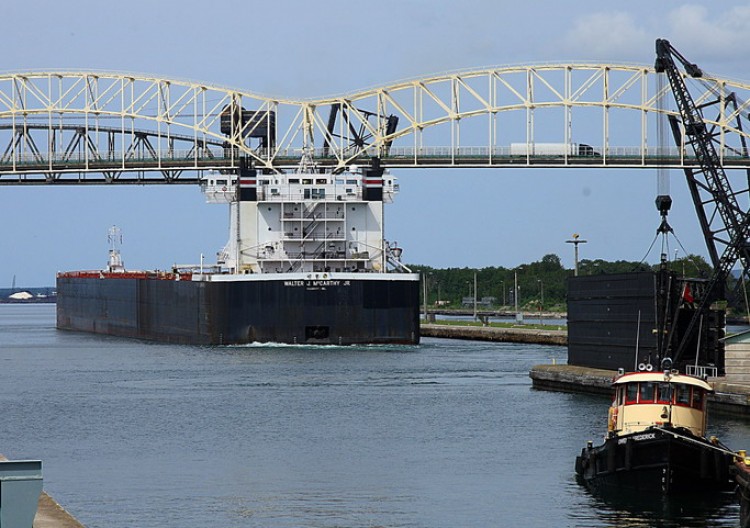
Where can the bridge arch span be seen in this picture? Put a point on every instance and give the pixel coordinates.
(112, 127)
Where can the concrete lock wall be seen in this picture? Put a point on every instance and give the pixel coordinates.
(20, 487)
(737, 362)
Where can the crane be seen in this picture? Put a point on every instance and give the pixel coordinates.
(709, 185)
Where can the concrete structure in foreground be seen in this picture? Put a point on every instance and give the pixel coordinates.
(50, 514)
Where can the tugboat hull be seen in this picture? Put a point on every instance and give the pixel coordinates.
(741, 472)
(657, 461)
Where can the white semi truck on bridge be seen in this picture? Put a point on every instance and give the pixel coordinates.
(552, 149)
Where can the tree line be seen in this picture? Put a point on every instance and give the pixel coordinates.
(541, 284)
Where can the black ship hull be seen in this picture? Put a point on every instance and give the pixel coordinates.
(339, 310)
(657, 462)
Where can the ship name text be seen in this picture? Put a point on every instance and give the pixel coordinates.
(316, 283)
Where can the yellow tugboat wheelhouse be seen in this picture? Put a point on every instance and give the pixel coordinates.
(646, 399)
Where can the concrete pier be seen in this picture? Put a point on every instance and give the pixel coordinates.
(569, 378)
(492, 333)
(727, 397)
(51, 515)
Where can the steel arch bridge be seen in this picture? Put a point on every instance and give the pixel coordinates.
(99, 127)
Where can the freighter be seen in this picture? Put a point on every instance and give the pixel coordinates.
(306, 263)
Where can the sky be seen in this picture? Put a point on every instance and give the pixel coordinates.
(443, 217)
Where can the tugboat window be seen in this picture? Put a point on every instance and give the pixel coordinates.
(683, 394)
(620, 396)
(665, 393)
(697, 398)
(631, 393)
(647, 393)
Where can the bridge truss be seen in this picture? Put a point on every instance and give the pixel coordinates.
(97, 127)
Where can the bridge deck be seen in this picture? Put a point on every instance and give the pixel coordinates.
(180, 169)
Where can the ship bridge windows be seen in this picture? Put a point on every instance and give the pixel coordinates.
(314, 194)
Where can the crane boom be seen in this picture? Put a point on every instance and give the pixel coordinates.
(711, 178)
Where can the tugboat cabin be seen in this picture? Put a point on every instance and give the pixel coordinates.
(644, 399)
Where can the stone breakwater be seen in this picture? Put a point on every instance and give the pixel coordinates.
(490, 333)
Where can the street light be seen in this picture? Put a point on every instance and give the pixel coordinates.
(519, 316)
(575, 242)
(502, 287)
(425, 292)
(424, 295)
(541, 297)
(475, 295)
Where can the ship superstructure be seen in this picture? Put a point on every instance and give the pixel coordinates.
(306, 221)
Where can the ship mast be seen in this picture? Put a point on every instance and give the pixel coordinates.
(114, 238)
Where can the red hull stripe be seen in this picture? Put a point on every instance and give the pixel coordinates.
(373, 182)
(248, 182)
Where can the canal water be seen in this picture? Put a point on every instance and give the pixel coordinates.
(444, 434)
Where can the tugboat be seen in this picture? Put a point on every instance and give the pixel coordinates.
(656, 439)
(741, 471)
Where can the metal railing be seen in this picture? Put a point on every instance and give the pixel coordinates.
(702, 371)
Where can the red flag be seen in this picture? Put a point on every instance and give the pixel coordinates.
(686, 295)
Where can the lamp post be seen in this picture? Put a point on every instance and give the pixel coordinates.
(424, 295)
(502, 288)
(475, 295)
(541, 299)
(519, 316)
(575, 243)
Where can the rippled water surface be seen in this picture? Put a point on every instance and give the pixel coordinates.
(444, 434)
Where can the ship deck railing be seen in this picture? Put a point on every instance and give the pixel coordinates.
(701, 371)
